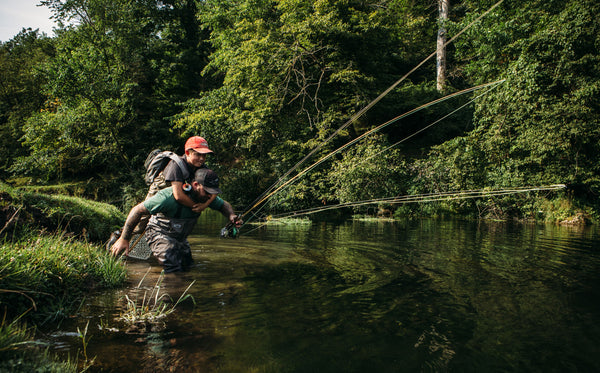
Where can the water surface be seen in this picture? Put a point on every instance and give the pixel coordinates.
(413, 296)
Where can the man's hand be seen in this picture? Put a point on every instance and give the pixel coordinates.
(133, 219)
(120, 246)
(234, 219)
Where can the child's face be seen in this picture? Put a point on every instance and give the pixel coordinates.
(194, 158)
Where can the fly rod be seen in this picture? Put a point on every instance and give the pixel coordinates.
(426, 197)
(268, 192)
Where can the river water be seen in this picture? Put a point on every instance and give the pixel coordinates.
(410, 296)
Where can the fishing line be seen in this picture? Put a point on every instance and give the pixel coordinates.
(267, 193)
(427, 197)
(331, 154)
(430, 125)
(416, 198)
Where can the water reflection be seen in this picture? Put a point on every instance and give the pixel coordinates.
(366, 297)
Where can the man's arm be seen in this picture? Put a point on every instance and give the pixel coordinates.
(228, 212)
(133, 219)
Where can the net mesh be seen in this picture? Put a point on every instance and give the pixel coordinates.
(139, 248)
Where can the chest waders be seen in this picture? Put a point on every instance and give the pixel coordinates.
(167, 237)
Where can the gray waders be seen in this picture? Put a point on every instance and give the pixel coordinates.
(167, 237)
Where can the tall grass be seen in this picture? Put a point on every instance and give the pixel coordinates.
(152, 306)
(46, 274)
(45, 278)
(20, 353)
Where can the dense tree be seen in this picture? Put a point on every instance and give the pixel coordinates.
(293, 71)
(120, 70)
(268, 81)
(542, 125)
(20, 89)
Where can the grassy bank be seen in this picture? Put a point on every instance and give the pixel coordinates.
(44, 275)
(86, 219)
(51, 257)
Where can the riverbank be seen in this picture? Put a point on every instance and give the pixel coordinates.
(51, 256)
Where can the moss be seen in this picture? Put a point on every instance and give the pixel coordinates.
(21, 210)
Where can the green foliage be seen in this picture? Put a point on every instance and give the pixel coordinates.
(20, 89)
(45, 275)
(267, 81)
(113, 81)
(244, 181)
(304, 193)
(83, 217)
(369, 170)
(292, 73)
(541, 125)
(455, 165)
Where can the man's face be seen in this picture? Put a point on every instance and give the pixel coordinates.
(201, 194)
(194, 158)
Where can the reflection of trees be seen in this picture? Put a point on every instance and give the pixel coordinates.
(413, 296)
(450, 294)
(315, 324)
(518, 280)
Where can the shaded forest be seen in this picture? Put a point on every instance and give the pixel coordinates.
(269, 82)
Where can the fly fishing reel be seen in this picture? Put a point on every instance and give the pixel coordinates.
(229, 231)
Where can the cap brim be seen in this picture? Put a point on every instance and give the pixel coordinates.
(202, 150)
(212, 190)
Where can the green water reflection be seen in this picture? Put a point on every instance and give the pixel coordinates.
(413, 296)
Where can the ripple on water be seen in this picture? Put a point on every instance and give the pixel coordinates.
(423, 295)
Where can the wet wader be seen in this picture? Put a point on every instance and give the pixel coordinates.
(167, 238)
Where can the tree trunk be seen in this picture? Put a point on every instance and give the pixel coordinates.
(443, 6)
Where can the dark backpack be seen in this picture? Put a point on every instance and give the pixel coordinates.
(157, 160)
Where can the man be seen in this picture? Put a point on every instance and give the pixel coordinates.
(171, 222)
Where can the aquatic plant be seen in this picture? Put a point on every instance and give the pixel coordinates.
(85, 340)
(19, 352)
(153, 306)
(288, 221)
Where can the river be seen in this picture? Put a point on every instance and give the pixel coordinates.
(379, 296)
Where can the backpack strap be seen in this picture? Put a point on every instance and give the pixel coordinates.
(182, 166)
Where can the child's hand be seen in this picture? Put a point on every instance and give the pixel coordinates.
(199, 207)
